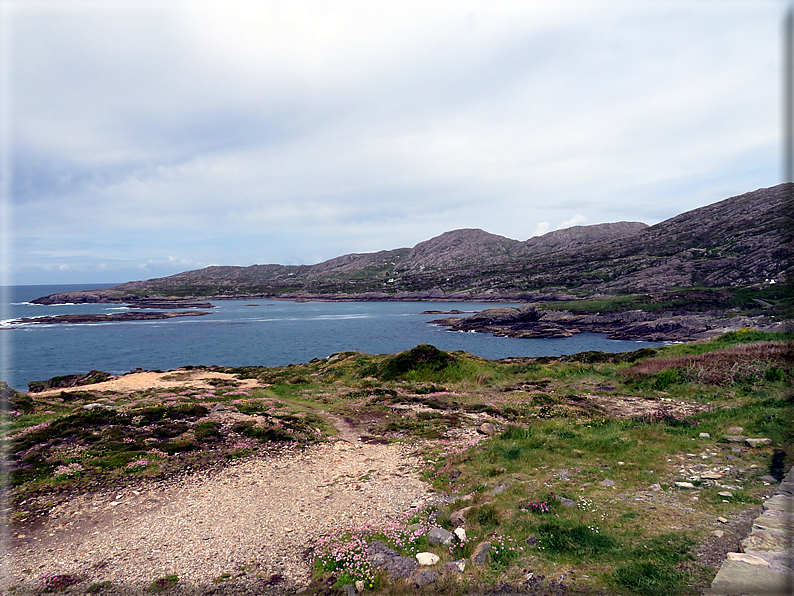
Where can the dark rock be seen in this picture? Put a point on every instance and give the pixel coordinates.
(480, 554)
(454, 566)
(349, 590)
(440, 536)
(401, 567)
(123, 316)
(531, 540)
(424, 577)
(457, 518)
(487, 429)
(567, 502)
(379, 554)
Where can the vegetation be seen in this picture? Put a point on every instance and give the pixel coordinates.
(576, 487)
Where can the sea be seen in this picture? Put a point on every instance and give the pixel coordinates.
(244, 333)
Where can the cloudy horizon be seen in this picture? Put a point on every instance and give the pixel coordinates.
(142, 139)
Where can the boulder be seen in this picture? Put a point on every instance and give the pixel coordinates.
(480, 554)
(400, 567)
(424, 577)
(455, 566)
(565, 502)
(427, 558)
(487, 429)
(756, 442)
(460, 534)
(440, 536)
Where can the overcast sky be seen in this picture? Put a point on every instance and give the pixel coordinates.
(141, 138)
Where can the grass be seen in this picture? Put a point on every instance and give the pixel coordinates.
(578, 482)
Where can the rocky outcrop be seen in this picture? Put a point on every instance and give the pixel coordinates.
(532, 322)
(102, 318)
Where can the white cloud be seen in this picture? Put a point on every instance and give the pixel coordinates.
(576, 220)
(541, 228)
(241, 132)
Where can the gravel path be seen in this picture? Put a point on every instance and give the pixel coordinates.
(253, 521)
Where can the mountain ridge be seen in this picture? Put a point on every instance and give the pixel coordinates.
(741, 240)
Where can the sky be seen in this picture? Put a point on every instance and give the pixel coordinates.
(140, 139)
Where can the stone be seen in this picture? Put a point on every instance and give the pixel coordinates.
(748, 558)
(379, 554)
(734, 438)
(401, 567)
(711, 475)
(565, 502)
(766, 540)
(607, 482)
(684, 485)
(427, 558)
(458, 517)
(731, 457)
(737, 449)
(349, 590)
(455, 566)
(424, 577)
(460, 534)
(718, 533)
(774, 521)
(487, 428)
(735, 430)
(440, 536)
(780, 503)
(360, 585)
(657, 488)
(704, 435)
(722, 520)
(531, 540)
(767, 478)
(725, 493)
(480, 554)
(737, 577)
(414, 528)
(499, 489)
(756, 442)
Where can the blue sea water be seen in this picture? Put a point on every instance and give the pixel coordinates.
(271, 333)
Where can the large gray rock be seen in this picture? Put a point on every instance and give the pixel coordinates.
(480, 554)
(424, 577)
(401, 567)
(379, 554)
(440, 536)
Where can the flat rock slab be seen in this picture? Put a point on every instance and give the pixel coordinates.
(738, 577)
(780, 503)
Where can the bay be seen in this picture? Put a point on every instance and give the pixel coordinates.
(245, 333)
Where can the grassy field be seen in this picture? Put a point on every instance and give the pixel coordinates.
(576, 486)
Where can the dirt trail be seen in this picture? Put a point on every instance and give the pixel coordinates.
(246, 527)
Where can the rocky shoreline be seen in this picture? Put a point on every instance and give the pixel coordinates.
(531, 322)
(102, 318)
